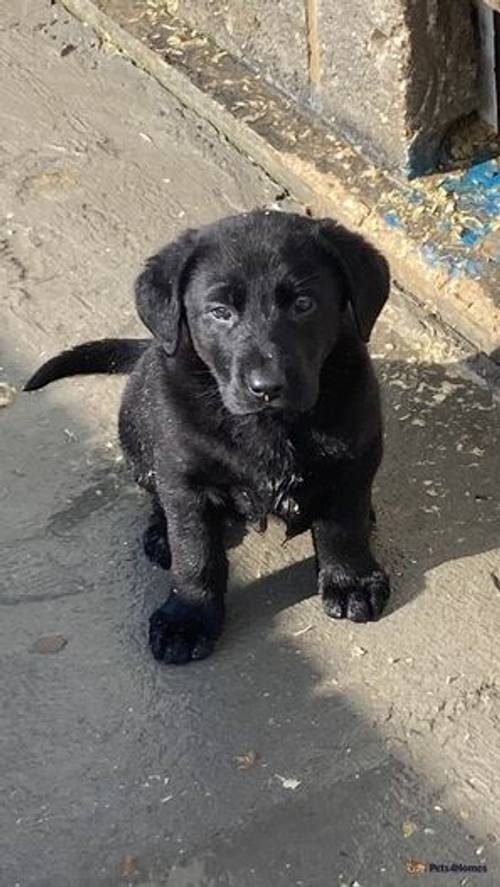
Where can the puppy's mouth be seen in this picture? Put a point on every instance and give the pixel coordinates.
(265, 409)
(238, 404)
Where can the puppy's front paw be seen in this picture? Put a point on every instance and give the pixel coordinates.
(348, 595)
(181, 631)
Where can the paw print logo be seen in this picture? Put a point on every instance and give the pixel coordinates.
(414, 867)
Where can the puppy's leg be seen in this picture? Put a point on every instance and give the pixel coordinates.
(155, 538)
(188, 624)
(350, 581)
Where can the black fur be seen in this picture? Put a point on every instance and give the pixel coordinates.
(256, 397)
(104, 356)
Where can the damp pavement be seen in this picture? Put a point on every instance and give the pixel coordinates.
(304, 752)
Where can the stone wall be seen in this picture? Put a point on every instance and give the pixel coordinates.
(393, 75)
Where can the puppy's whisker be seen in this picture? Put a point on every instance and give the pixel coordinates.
(208, 397)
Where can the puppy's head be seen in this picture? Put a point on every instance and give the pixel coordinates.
(262, 296)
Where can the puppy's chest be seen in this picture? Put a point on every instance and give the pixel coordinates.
(288, 502)
(291, 486)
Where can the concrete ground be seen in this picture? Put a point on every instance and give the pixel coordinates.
(305, 752)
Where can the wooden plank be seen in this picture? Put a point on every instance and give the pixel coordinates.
(488, 103)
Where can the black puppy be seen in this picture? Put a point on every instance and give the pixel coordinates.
(256, 397)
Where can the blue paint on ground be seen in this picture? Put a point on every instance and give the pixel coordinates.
(430, 254)
(454, 265)
(392, 220)
(472, 236)
(475, 193)
(415, 197)
(444, 225)
(474, 268)
(478, 190)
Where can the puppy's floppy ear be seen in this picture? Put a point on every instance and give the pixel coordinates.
(159, 290)
(364, 269)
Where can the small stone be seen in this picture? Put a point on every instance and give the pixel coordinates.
(7, 394)
(67, 50)
(128, 866)
(50, 644)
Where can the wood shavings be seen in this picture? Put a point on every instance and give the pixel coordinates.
(128, 866)
(496, 581)
(300, 631)
(247, 760)
(409, 828)
(358, 651)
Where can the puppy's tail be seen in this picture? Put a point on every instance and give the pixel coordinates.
(103, 356)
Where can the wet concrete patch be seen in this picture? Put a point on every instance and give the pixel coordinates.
(100, 495)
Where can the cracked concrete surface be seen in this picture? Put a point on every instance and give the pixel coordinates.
(304, 752)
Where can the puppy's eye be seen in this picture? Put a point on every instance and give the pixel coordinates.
(304, 305)
(221, 312)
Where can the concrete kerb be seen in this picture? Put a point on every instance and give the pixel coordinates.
(469, 305)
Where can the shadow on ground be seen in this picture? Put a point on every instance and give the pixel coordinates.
(120, 771)
(438, 487)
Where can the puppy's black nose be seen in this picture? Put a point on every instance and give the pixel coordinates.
(265, 384)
